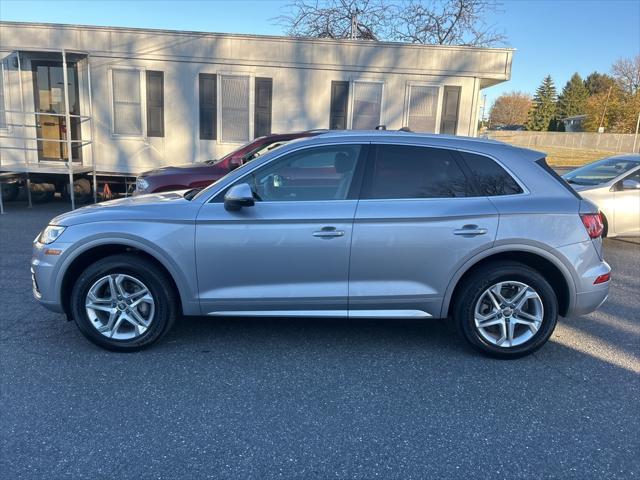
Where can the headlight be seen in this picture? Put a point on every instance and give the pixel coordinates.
(50, 234)
(141, 184)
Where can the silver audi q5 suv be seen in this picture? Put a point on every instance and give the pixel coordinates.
(345, 224)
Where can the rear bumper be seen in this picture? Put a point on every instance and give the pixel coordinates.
(588, 302)
(588, 265)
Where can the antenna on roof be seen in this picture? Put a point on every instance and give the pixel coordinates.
(381, 127)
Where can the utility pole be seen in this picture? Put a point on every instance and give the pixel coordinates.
(635, 138)
(354, 24)
(604, 111)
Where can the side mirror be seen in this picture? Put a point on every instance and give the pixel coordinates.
(234, 163)
(630, 184)
(238, 196)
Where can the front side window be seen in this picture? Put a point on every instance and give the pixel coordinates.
(313, 174)
(367, 105)
(234, 100)
(402, 171)
(127, 106)
(488, 177)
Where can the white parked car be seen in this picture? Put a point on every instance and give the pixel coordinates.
(614, 185)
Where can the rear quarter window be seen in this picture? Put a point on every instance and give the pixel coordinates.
(488, 177)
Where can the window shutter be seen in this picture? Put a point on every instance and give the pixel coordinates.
(450, 108)
(3, 116)
(423, 106)
(264, 93)
(155, 104)
(339, 105)
(208, 113)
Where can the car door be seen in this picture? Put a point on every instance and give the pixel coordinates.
(414, 225)
(627, 206)
(288, 254)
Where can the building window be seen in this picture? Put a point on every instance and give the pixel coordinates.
(127, 105)
(367, 105)
(262, 119)
(208, 109)
(155, 104)
(3, 113)
(422, 108)
(234, 108)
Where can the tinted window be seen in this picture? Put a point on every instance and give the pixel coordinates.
(400, 171)
(321, 173)
(488, 177)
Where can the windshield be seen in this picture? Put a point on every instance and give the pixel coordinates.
(601, 171)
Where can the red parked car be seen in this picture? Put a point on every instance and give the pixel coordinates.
(200, 175)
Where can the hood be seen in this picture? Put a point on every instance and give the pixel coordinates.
(142, 207)
(181, 169)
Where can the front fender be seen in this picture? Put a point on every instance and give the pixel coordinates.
(176, 254)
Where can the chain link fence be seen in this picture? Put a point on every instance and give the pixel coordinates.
(606, 142)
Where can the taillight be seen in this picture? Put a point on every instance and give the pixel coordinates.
(602, 278)
(593, 223)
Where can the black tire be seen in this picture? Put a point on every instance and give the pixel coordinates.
(10, 192)
(478, 282)
(42, 197)
(605, 229)
(159, 286)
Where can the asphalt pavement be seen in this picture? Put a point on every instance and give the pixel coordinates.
(313, 399)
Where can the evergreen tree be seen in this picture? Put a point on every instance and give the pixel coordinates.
(598, 83)
(573, 98)
(543, 110)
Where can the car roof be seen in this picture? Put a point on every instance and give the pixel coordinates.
(475, 144)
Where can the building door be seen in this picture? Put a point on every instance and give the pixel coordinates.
(51, 127)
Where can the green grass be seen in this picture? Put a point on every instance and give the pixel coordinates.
(572, 157)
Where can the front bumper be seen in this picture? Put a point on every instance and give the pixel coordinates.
(44, 266)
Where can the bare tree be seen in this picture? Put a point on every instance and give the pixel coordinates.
(440, 22)
(626, 71)
(447, 22)
(510, 109)
(361, 19)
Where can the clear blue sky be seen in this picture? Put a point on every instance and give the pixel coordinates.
(556, 37)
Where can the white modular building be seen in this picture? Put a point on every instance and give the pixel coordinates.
(134, 99)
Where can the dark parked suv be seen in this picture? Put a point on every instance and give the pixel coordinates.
(200, 175)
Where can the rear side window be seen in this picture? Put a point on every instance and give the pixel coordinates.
(401, 171)
(488, 177)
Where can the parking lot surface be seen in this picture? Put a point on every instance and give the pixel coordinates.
(287, 398)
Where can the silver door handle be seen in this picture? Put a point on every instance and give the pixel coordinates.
(328, 232)
(470, 230)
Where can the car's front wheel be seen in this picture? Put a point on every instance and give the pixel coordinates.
(123, 302)
(506, 310)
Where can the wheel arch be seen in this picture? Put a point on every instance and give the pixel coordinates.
(549, 266)
(96, 250)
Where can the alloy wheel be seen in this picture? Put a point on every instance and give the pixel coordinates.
(120, 306)
(508, 314)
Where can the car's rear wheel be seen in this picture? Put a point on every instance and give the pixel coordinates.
(123, 302)
(506, 310)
